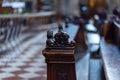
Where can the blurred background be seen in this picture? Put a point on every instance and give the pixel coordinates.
(24, 25)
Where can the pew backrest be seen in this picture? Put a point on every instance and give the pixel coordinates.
(72, 30)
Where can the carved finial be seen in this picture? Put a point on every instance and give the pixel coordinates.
(60, 28)
(72, 43)
(49, 34)
(59, 41)
(61, 38)
(50, 39)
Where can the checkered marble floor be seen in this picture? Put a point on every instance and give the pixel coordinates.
(26, 61)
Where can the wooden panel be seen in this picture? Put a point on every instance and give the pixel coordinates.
(80, 38)
(60, 64)
(112, 33)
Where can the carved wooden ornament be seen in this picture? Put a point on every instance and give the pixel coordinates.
(58, 41)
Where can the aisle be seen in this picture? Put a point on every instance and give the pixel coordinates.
(25, 62)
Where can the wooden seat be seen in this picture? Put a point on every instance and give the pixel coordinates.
(111, 60)
(65, 51)
(76, 31)
(110, 49)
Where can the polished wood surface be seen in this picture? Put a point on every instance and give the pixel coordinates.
(60, 64)
(59, 56)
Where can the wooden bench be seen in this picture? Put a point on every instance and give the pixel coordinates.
(58, 55)
(112, 31)
(76, 29)
(110, 50)
(111, 60)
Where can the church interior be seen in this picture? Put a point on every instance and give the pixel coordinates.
(59, 39)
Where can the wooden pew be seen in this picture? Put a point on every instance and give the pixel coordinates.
(110, 49)
(76, 32)
(111, 61)
(58, 55)
(76, 27)
(112, 31)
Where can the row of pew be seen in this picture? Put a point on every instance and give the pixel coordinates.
(106, 31)
(110, 45)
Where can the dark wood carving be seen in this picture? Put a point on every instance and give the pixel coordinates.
(59, 56)
(112, 31)
(50, 39)
(61, 38)
(58, 41)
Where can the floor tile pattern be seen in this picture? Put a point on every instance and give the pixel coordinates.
(26, 62)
